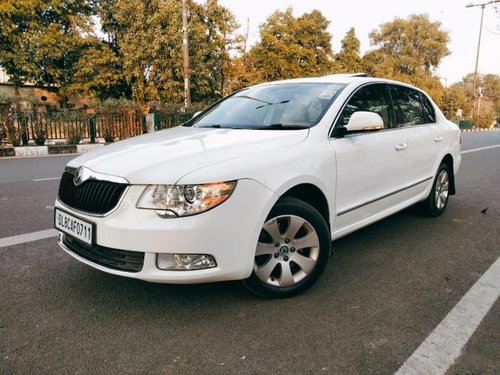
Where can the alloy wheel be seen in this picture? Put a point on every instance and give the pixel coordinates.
(287, 251)
(441, 190)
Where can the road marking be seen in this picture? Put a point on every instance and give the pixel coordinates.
(479, 149)
(46, 179)
(28, 237)
(444, 345)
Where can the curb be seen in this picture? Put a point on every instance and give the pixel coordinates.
(480, 130)
(33, 151)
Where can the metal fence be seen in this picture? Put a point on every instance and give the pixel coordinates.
(21, 127)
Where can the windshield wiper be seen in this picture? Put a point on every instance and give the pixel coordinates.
(251, 98)
(280, 127)
(217, 126)
(268, 104)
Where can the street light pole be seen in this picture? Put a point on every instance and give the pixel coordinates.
(185, 55)
(482, 5)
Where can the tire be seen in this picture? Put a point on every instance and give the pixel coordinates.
(292, 252)
(436, 202)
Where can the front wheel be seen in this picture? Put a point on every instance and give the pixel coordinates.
(292, 251)
(437, 200)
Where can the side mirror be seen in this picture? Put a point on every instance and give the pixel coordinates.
(362, 120)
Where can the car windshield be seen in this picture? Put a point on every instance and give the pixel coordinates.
(274, 106)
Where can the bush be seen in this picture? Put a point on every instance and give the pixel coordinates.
(108, 135)
(9, 129)
(39, 128)
(485, 119)
(74, 135)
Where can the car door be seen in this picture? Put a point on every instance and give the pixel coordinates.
(370, 165)
(415, 113)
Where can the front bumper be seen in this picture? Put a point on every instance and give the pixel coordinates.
(228, 232)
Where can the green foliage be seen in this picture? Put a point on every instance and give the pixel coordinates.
(484, 119)
(491, 86)
(348, 59)
(151, 41)
(17, 19)
(454, 100)
(9, 107)
(51, 42)
(112, 104)
(291, 47)
(8, 127)
(485, 108)
(409, 50)
(40, 39)
(97, 72)
(414, 44)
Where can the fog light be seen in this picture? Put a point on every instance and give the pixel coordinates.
(185, 262)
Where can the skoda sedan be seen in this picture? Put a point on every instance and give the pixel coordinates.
(257, 186)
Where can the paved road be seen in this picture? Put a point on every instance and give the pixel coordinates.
(387, 288)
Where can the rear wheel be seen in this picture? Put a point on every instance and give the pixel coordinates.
(437, 200)
(292, 251)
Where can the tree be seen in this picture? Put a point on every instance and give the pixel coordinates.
(210, 50)
(293, 47)
(455, 101)
(16, 17)
(98, 72)
(150, 43)
(409, 50)
(484, 109)
(348, 59)
(487, 107)
(41, 39)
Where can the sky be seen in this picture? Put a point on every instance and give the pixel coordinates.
(460, 22)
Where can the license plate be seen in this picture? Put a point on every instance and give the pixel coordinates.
(75, 227)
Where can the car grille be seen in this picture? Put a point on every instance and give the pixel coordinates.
(93, 196)
(122, 260)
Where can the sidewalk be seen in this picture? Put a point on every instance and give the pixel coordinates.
(26, 151)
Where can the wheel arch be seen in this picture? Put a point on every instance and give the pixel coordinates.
(311, 194)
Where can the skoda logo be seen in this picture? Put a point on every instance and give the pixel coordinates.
(78, 178)
(284, 250)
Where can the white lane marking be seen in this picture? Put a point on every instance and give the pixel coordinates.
(444, 345)
(49, 207)
(46, 179)
(28, 237)
(479, 149)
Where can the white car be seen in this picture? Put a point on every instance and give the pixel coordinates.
(257, 186)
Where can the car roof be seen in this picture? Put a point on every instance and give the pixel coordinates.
(356, 78)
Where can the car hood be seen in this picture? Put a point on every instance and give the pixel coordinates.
(164, 157)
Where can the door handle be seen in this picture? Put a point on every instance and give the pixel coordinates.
(438, 139)
(401, 147)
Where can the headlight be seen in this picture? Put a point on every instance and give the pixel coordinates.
(185, 200)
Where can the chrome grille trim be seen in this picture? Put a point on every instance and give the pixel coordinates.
(99, 176)
(97, 187)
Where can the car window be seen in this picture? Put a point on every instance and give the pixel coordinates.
(429, 113)
(371, 98)
(407, 106)
(272, 106)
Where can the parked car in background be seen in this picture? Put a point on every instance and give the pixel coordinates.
(257, 186)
